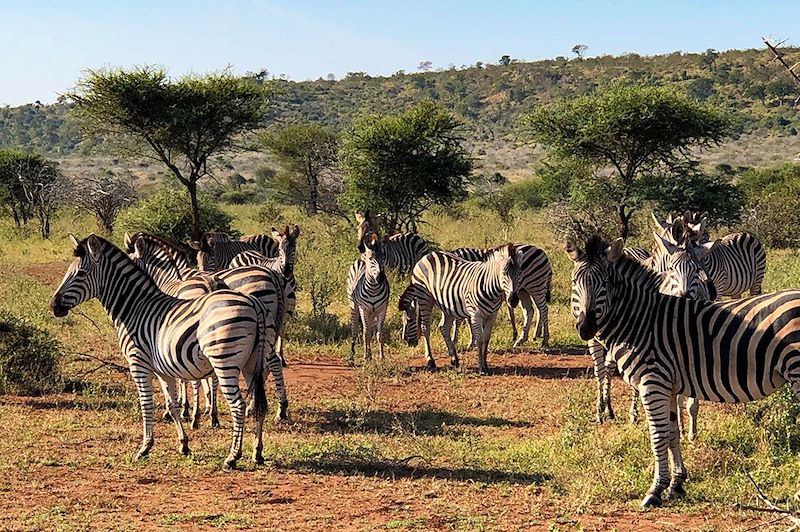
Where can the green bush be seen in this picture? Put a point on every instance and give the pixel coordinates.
(773, 203)
(778, 416)
(30, 358)
(167, 213)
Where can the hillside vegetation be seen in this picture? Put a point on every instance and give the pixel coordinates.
(487, 98)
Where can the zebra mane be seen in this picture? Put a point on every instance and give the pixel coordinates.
(169, 247)
(112, 250)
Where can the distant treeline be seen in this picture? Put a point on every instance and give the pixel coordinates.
(487, 97)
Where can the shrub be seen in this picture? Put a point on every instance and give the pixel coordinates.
(167, 213)
(773, 204)
(778, 416)
(29, 358)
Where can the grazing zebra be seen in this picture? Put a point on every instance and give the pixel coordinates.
(735, 351)
(401, 251)
(461, 289)
(535, 279)
(268, 286)
(219, 251)
(368, 297)
(164, 271)
(226, 333)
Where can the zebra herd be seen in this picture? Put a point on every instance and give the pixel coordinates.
(649, 314)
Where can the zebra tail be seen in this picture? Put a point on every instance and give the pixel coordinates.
(257, 388)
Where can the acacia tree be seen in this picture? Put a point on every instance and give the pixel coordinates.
(400, 165)
(308, 155)
(43, 185)
(104, 196)
(178, 122)
(625, 132)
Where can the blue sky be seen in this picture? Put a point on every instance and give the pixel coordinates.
(47, 44)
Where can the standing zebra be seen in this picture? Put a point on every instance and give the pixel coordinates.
(461, 289)
(535, 279)
(736, 351)
(225, 333)
(283, 264)
(145, 253)
(368, 297)
(268, 286)
(219, 251)
(401, 251)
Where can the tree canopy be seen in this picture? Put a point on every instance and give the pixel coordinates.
(624, 132)
(400, 165)
(178, 122)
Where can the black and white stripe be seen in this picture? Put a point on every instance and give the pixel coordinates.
(736, 351)
(225, 333)
(368, 298)
(461, 289)
(218, 251)
(535, 280)
(401, 251)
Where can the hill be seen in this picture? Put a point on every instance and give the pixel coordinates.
(490, 98)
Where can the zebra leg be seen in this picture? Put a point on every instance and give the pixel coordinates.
(656, 401)
(425, 308)
(250, 376)
(184, 401)
(380, 319)
(598, 353)
(276, 369)
(355, 327)
(513, 320)
(692, 407)
(675, 490)
(279, 348)
(367, 320)
(210, 385)
(143, 379)
(169, 385)
(486, 334)
(633, 412)
(445, 326)
(196, 386)
(526, 303)
(543, 321)
(233, 395)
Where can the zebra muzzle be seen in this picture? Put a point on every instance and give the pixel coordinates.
(58, 308)
(586, 326)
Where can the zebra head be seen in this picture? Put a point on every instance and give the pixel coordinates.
(408, 308)
(507, 267)
(83, 279)
(152, 257)
(374, 261)
(287, 246)
(590, 280)
(684, 275)
(205, 254)
(367, 225)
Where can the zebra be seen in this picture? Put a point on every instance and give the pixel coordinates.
(268, 286)
(226, 333)
(219, 250)
(733, 351)
(535, 280)
(368, 297)
(461, 289)
(164, 271)
(401, 251)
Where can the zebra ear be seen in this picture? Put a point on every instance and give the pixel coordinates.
(664, 245)
(195, 245)
(127, 241)
(295, 231)
(94, 245)
(706, 248)
(572, 250)
(137, 248)
(660, 224)
(75, 242)
(359, 217)
(275, 233)
(614, 251)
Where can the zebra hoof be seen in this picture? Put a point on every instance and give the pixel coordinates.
(651, 501)
(195, 422)
(675, 492)
(611, 415)
(283, 411)
(167, 417)
(185, 451)
(229, 465)
(142, 453)
(284, 363)
(258, 458)
(214, 422)
(431, 365)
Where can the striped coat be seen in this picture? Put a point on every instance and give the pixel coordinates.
(368, 298)
(401, 251)
(737, 351)
(215, 252)
(225, 333)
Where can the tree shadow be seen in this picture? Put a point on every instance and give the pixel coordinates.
(581, 372)
(425, 422)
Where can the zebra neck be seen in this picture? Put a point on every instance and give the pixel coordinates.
(632, 308)
(126, 289)
(489, 280)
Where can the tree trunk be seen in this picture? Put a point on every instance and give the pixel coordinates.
(192, 188)
(623, 221)
(313, 185)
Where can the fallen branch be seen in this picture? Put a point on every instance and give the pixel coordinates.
(770, 507)
(103, 363)
(81, 313)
